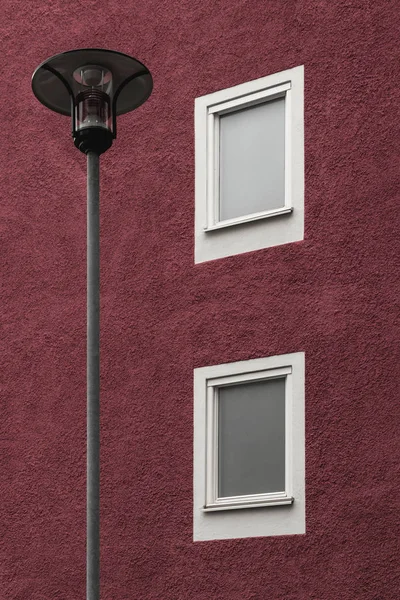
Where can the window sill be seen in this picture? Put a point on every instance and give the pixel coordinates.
(249, 218)
(235, 505)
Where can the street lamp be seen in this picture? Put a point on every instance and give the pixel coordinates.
(92, 86)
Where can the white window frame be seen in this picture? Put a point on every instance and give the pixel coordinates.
(213, 502)
(280, 513)
(214, 113)
(215, 238)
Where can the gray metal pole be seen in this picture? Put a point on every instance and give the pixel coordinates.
(93, 380)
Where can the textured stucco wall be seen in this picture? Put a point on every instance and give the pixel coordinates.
(335, 296)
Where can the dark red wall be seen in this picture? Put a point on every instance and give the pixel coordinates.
(335, 296)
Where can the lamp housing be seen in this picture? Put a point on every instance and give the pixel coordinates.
(92, 86)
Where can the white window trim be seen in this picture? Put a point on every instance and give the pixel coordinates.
(218, 518)
(217, 239)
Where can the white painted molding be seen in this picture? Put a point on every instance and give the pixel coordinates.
(281, 513)
(217, 239)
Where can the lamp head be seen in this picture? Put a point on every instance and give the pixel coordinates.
(92, 86)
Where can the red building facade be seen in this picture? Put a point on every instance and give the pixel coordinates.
(330, 295)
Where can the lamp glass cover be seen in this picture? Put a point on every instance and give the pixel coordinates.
(93, 102)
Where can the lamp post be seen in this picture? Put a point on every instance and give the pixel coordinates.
(92, 86)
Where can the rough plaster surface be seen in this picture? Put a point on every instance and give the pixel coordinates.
(335, 296)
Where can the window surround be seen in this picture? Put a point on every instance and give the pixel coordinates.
(267, 514)
(215, 238)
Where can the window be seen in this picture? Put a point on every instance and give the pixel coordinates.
(249, 448)
(249, 166)
(246, 446)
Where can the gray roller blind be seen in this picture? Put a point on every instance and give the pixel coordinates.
(251, 438)
(252, 160)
